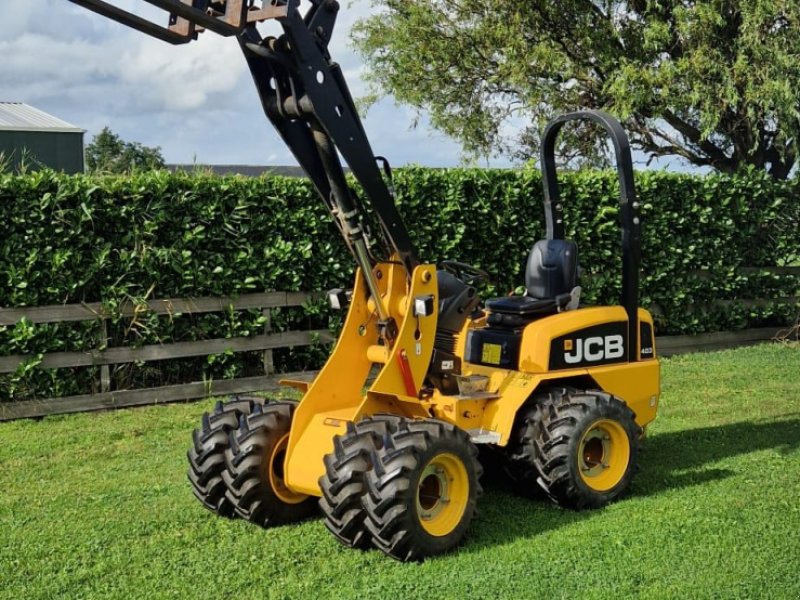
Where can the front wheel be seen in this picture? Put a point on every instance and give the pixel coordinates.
(422, 489)
(206, 456)
(254, 473)
(587, 446)
(344, 483)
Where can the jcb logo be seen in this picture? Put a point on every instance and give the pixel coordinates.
(593, 349)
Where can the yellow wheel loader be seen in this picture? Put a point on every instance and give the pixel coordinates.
(385, 439)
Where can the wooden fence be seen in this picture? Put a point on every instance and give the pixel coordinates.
(104, 356)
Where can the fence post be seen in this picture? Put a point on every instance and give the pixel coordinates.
(269, 363)
(105, 371)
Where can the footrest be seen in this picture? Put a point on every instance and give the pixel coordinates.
(482, 436)
(468, 385)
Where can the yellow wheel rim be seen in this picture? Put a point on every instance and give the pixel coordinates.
(275, 470)
(442, 494)
(603, 455)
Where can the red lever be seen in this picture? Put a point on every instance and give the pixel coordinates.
(405, 371)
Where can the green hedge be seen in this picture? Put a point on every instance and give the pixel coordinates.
(70, 239)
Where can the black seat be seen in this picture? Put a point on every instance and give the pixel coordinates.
(550, 277)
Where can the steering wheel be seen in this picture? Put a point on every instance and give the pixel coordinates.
(466, 273)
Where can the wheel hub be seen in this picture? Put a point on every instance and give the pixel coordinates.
(604, 453)
(595, 451)
(432, 494)
(442, 494)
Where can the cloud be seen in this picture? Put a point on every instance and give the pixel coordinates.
(195, 101)
(183, 78)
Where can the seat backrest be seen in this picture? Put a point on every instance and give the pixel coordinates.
(552, 268)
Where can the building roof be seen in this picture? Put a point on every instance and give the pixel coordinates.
(17, 116)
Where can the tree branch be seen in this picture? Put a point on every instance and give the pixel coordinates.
(718, 157)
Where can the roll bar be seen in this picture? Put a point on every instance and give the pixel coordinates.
(629, 208)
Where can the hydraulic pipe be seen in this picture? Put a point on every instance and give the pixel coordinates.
(348, 213)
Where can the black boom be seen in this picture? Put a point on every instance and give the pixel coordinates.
(305, 97)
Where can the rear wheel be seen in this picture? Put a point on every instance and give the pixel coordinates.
(586, 447)
(422, 490)
(254, 473)
(207, 454)
(520, 454)
(344, 481)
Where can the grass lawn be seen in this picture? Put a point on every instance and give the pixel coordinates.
(97, 505)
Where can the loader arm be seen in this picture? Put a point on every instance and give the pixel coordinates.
(306, 98)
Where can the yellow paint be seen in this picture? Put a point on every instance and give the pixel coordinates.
(378, 354)
(276, 480)
(396, 404)
(637, 384)
(402, 305)
(415, 336)
(534, 356)
(335, 397)
(514, 389)
(442, 494)
(466, 413)
(336, 393)
(604, 453)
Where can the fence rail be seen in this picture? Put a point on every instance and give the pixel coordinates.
(113, 356)
(104, 356)
(128, 398)
(61, 313)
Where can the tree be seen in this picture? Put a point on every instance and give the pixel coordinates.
(108, 153)
(716, 83)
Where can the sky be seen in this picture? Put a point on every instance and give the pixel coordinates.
(196, 102)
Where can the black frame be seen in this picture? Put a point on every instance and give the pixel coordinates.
(305, 96)
(629, 208)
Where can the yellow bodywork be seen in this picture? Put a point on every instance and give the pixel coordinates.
(638, 383)
(339, 393)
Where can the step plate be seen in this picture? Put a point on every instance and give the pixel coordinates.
(478, 396)
(482, 436)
